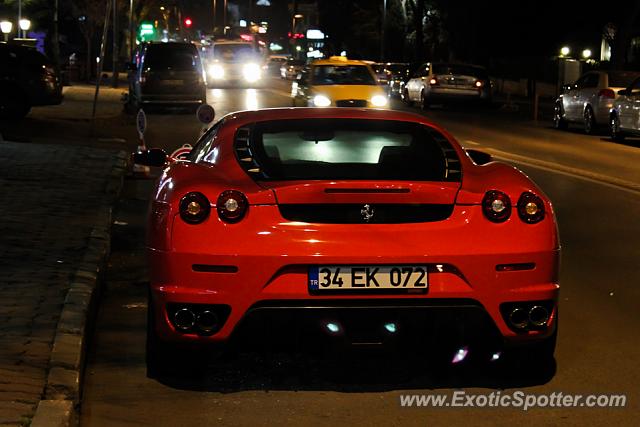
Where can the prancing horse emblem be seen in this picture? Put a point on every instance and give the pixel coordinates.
(367, 213)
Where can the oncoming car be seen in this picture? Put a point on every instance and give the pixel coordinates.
(234, 63)
(361, 226)
(338, 82)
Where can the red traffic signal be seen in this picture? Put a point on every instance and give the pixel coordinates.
(188, 22)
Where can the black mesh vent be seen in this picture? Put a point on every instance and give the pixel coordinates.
(365, 214)
(351, 103)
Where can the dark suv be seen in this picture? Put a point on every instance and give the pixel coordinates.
(167, 74)
(27, 78)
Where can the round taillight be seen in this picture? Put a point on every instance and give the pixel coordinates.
(496, 206)
(530, 208)
(194, 208)
(232, 206)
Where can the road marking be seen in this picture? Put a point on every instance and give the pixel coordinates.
(586, 175)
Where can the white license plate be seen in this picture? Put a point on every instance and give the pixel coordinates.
(368, 277)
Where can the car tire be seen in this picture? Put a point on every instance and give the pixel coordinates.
(167, 359)
(558, 121)
(405, 97)
(13, 104)
(589, 121)
(424, 101)
(614, 128)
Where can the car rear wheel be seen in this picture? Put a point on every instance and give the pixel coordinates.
(614, 128)
(589, 121)
(558, 121)
(405, 97)
(424, 101)
(13, 104)
(168, 359)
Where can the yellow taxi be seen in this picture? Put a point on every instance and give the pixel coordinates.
(338, 82)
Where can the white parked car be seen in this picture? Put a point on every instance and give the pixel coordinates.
(590, 99)
(441, 82)
(624, 117)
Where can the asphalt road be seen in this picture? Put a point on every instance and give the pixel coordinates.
(591, 182)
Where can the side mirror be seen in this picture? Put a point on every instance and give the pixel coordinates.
(479, 157)
(623, 92)
(154, 157)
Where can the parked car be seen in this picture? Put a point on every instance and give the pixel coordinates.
(392, 233)
(167, 74)
(338, 82)
(624, 117)
(27, 79)
(399, 74)
(291, 68)
(234, 63)
(441, 82)
(590, 99)
(274, 62)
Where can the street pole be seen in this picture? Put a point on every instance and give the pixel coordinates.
(215, 15)
(131, 37)
(114, 53)
(55, 36)
(224, 17)
(103, 44)
(384, 20)
(19, 18)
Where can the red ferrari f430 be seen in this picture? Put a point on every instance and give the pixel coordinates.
(362, 226)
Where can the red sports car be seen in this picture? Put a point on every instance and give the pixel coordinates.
(370, 227)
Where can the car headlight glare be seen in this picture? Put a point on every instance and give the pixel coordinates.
(216, 72)
(379, 101)
(321, 101)
(251, 72)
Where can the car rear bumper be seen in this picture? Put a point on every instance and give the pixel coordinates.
(272, 284)
(457, 94)
(173, 99)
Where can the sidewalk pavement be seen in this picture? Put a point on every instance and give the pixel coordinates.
(55, 218)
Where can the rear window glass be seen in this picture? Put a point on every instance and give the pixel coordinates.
(325, 149)
(177, 57)
(342, 75)
(622, 78)
(464, 70)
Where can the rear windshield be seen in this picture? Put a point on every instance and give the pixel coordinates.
(177, 57)
(326, 149)
(342, 75)
(622, 78)
(463, 70)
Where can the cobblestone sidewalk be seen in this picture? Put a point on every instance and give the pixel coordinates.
(51, 199)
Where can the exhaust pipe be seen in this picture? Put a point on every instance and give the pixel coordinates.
(207, 321)
(184, 319)
(538, 316)
(518, 318)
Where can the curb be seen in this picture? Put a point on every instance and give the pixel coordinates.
(63, 387)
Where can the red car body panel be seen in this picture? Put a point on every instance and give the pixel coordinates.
(265, 257)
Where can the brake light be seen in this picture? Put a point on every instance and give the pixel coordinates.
(530, 208)
(433, 81)
(496, 206)
(194, 208)
(607, 93)
(232, 206)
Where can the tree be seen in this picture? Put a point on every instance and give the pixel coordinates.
(622, 38)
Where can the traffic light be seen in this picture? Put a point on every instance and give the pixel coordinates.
(188, 22)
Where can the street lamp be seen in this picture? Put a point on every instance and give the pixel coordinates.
(6, 27)
(25, 24)
(586, 54)
(564, 51)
